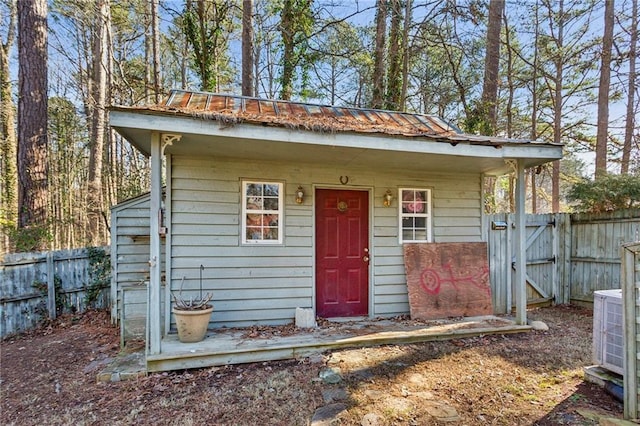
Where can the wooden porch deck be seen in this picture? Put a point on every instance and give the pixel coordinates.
(237, 346)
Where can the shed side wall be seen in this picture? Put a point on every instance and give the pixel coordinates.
(130, 263)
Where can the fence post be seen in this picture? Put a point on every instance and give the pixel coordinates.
(563, 260)
(51, 287)
(629, 274)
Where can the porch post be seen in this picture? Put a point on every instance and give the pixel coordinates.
(520, 247)
(153, 302)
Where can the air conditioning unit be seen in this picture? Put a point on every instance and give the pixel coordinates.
(608, 332)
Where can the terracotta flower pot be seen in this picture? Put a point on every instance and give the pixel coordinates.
(192, 324)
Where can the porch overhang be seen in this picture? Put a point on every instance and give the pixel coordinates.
(250, 141)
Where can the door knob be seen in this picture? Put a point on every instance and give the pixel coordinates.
(365, 258)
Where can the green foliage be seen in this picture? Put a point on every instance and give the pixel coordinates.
(296, 25)
(29, 239)
(611, 192)
(477, 120)
(99, 272)
(207, 26)
(42, 287)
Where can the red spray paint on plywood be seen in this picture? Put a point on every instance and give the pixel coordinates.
(447, 280)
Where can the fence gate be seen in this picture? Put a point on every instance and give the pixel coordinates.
(542, 249)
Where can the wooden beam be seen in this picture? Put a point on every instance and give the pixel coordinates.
(197, 356)
(51, 286)
(153, 304)
(520, 247)
(168, 268)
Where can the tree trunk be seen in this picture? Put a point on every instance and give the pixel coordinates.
(286, 23)
(147, 57)
(394, 80)
(95, 208)
(603, 91)
(534, 109)
(534, 192)
(32, 118)
(8, 159)
(377, 100)
(155, 37)
(405, 56)
(208, 79)
(630, 118)
(491, 66)
(510, 82)
(247, 48)
(557, 112)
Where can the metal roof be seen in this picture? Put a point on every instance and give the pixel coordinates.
(233, 109)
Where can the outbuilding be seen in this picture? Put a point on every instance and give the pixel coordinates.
(275, 205)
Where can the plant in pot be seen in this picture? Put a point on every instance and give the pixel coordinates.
(192, 315)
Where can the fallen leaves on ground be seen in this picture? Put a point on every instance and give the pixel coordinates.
(48, 376)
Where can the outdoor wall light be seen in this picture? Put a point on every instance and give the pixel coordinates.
(299, 195)
(387, 198)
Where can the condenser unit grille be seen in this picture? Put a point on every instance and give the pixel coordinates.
(613, 347)
(608, 339)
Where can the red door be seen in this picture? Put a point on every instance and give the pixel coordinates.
(342, 253)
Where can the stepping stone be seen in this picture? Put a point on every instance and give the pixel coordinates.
(330, 375)
(372, 419)
(334, 395)
(441, 411)
(327, 414)
(539, 326)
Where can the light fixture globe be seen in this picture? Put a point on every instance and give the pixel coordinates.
(299, 195)
(387, 198)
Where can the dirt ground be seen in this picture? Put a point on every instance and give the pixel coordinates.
(48, 376)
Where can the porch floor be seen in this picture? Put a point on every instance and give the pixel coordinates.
(258, 344)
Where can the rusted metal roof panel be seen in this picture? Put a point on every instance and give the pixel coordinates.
(319, 117)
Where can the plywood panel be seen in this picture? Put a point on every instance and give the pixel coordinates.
(448, 280)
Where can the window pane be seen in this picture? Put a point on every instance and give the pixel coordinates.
(271, 234)
(420, 235)
(254, 189)
(407, 234)
(271, 220)
(271, 190)
(254, 220)
(254, 233)
(271, 204)
(254, 203)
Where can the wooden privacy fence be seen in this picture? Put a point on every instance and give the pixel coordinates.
(569, 256)
(40, 285)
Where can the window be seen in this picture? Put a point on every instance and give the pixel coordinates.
(415, 215)
(262, 212)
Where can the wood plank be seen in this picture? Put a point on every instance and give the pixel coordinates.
(447, 280)
(181, 356)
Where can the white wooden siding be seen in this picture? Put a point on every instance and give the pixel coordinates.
(130, 265)
(264, 284)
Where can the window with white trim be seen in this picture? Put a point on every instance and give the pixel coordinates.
(262, 204)
(415, 215)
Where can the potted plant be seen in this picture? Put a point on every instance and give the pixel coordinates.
(192, 315)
